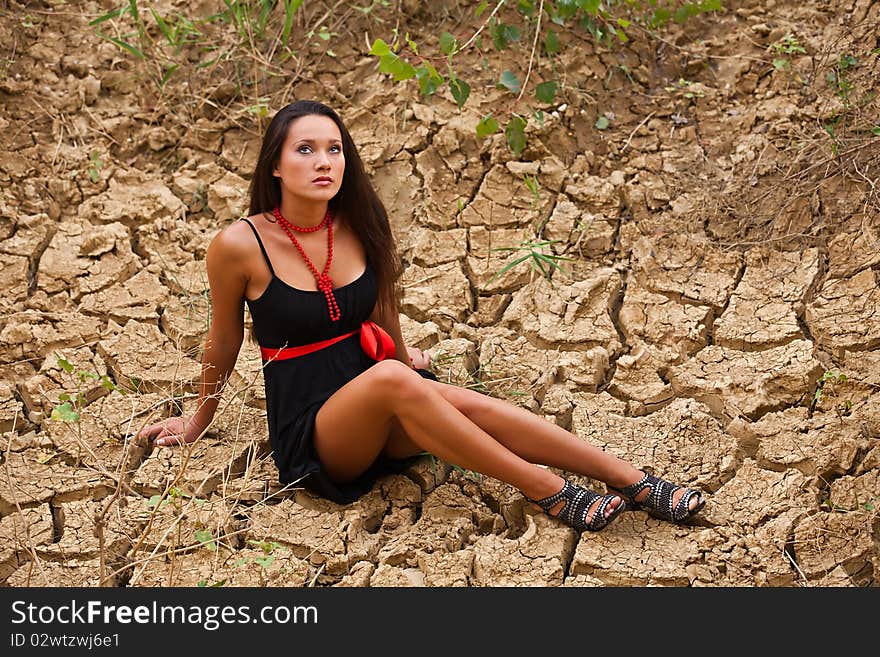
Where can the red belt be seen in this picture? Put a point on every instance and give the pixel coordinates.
(375, 342)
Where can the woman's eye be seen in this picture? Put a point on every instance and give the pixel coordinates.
(308, 149)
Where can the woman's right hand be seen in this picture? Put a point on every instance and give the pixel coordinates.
(172, 431)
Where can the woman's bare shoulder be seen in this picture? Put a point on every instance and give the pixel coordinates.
(235, 239)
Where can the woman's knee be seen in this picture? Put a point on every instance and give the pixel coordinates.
(398, 380)
(465, 401)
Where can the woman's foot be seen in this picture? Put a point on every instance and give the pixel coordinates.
(581, 508)
(662, 498)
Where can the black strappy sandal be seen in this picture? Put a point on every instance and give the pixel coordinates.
(577, 504)
(658, 503)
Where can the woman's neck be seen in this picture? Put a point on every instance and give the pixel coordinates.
(303, 214)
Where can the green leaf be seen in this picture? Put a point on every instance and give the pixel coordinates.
(661, 17)
(380, 48)
(429, 79)
(780, 64)
(66, 365)
(515, 132)
(460, 91)
(590, 6)
(107, 382)
(108, 16)
(602, 122)
(266, 561)
(876, 130)
(133, 10)
(396, 66)
(124, 45)
(509, 81)
(65, 413)
(503, 34)
(847, 61)
(509, 266)
(163, 26)
(481, 8)
(546, 91)
(290, 8)
(526, 7)
(551, 43)
(204, 537)
(685, 12)
(448, 44)
(64, 397)
(487, 126)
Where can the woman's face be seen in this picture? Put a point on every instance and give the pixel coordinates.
(311, 163)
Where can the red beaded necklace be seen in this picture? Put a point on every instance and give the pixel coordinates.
(324, 283)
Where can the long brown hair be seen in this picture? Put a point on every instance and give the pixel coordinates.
(356, 199)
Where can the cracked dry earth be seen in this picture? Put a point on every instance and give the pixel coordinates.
(679, 337)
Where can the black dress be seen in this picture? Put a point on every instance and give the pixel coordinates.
(296, 388)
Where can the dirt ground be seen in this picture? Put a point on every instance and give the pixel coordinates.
(718, 320)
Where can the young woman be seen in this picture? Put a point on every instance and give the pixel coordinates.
(346, 399)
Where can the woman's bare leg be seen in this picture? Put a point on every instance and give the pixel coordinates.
(357, 423)
(536, 440)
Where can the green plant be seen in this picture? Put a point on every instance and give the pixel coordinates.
(268, 548)
(164, 43)
(470, 474)
(206, 539)
(534, 187)
(829, 505)
(260, 108)
(783, 49)
(825, 390)
(526, 22)
(95, 166)
(435, 465)
(260, 32)
(839, 76)
(686, 89)
(830, 127)
(72, 403)
(204, 583)
(536, 254)
(124, 40)
(175, 497)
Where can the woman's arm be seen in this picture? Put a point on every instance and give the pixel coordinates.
(227, 282)
(390, 321)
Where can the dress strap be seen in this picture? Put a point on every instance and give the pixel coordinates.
(260, 242)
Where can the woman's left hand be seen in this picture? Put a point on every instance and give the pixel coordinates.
(420, 359)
